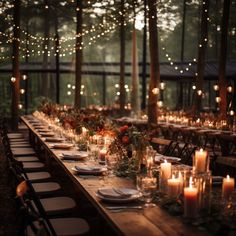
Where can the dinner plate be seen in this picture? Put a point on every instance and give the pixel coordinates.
(53, 139)
(46, 134)
(73, 156)
(89, 170)
(118, 195)
(159, 158)
(62, 146)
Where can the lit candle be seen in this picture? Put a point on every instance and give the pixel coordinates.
(227, 187)
(200, 164)
(165, 170)
(149, 162)
(190, 200)
(84, 131)
(102, 155)
(173, 186)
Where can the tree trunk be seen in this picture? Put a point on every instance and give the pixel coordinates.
(57, 62)
(201, 58)
(222, 61)
(135, 100)
(15, 66)
(144, 62)
(154, 62)
(45, 83)
(79, 54)
(122, 58)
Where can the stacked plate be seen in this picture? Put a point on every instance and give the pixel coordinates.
(61, 145)
(76, 156)
(89, 170)
(121, 195)
(53, 139)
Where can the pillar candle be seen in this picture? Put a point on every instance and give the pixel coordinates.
(173, 186)
(102, 155)
(227, 187)
(200, 163)
(190, 201)
(165, 170)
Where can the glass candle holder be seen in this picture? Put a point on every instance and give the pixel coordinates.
(164, 175)
(190, 199)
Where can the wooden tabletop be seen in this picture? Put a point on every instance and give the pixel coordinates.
(151, 221)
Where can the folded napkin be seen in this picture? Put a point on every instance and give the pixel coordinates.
(114, 193)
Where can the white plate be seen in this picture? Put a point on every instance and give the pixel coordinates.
(47, 134)
(62, 146)
(93, 170)
(134, 195)
(52, 139)
(73, 156)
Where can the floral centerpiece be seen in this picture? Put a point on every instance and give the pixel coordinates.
(129, 144)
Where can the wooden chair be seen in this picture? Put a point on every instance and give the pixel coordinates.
(161, 145)
(40, 224)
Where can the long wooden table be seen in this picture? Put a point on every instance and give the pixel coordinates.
(151, 221)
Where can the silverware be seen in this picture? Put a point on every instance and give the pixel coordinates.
(124, 207)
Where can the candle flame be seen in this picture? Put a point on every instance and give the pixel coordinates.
(180, 175)
(173, 176)
(165, 161)
(201, 150)
(191, 182)
(228, 177)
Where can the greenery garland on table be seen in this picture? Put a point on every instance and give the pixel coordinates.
(219, 219)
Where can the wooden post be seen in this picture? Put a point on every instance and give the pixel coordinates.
(222, 61)
(201, 57)
(15, 66)
(154, 63)
(144, 62)
(122, 58)
(79, 53)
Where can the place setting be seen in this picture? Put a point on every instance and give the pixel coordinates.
(74, 156)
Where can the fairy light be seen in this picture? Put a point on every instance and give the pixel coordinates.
(13, 79)
(22, 91)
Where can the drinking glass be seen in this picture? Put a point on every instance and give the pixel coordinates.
(147, 186)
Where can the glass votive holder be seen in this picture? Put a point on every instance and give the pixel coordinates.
(203, 183)
(190, 197)
(164, 175)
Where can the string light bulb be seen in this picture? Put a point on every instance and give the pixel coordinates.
(199, 92)
(230, 89)
(13, 79)
(218, 99)
(22, 91)
(216, 87)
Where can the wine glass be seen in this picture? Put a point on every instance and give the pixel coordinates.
(148, 187)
